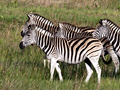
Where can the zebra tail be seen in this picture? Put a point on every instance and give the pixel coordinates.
(103, 58)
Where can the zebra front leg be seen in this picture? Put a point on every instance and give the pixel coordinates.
(53, 65)
(59, 71)
(89, 72)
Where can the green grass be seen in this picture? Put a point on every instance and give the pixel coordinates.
(24, 70)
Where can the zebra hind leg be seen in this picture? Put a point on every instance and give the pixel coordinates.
(114, 57)
(94, 61)
(89, 72)
(59, 71)
(52, 69)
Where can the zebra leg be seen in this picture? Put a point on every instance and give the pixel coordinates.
(114, 58)
(118, 52)
(44, 63)
(94, 61)
(48, 63)
(59, 71)
(89, 72)
(53, 65)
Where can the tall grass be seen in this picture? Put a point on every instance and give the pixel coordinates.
(23, 69)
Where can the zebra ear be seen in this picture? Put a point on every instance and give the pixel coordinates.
(30, 16)
(60, 25)
(31, 27)
(100, 21)
(103, 22)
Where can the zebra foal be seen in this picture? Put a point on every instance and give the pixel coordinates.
(71, 51)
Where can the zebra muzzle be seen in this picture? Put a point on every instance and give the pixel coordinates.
(21, 45)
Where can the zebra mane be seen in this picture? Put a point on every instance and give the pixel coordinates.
(69, 26)
(76, 29)
(44, 23)
(110, 23)
(41, 19)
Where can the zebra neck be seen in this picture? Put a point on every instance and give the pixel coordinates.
(112, 31)
(45, 43)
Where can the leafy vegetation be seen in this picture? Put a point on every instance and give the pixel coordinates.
(24, 69)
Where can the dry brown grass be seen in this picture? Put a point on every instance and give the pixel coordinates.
(70, 3)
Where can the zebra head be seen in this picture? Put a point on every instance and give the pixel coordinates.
(30, 21)
(102, 30)
(103, 22)
(29, 37)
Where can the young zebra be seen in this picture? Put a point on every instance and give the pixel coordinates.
(71, 51)
(69, 31)
(111, 31)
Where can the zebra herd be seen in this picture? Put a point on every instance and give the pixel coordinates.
(70, 44)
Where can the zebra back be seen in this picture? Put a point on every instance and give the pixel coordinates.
(66, 31)
(71, 27)
(69, 31)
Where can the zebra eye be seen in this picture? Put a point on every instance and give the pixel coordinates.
(29, 26)
(28, 35)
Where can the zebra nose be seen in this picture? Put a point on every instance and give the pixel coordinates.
(22, 34)
(21, 45)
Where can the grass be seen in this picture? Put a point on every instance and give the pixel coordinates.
(24, 70)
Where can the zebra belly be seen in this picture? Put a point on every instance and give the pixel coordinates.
(75, 59)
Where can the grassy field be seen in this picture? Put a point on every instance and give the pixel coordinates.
(24, 69)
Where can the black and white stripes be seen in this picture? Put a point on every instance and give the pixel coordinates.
(35, 19)
(67, 31)
(109, 30)
(71, 51)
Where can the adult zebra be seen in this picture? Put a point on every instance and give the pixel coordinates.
(44, 23)
(69, 31)
(111, 31)
(71, 51)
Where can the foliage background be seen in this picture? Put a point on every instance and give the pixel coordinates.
(24, 70)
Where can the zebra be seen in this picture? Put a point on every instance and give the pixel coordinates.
(42, 22)
(67, 30)
(111, 31)
(71, 51)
